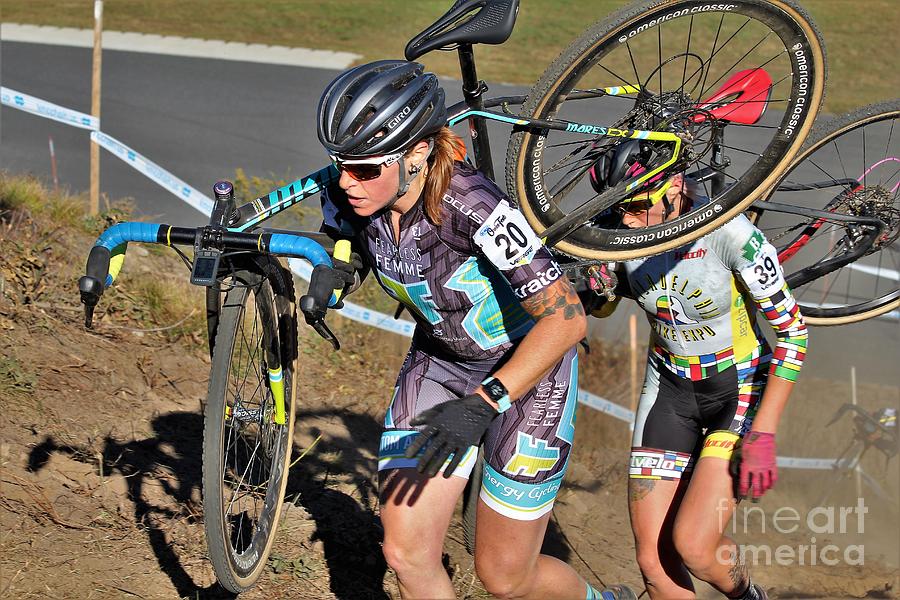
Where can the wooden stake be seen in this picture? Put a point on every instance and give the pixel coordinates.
(853, 400)
(632, 330)
(95, 106)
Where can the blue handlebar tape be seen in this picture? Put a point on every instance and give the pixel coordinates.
(295, 245)
(128, 232)
(116, 238)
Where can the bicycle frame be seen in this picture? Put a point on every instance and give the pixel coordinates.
(476, 110)
(256, 211)
(875, 229)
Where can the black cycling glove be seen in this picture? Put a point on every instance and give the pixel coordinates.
(346, 276)
(450, 428)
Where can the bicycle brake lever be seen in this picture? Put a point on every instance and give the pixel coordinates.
(91, 289)
(323, 330)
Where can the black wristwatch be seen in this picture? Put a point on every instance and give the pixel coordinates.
(496, 391)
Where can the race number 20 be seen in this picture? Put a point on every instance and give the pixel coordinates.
(506, 238)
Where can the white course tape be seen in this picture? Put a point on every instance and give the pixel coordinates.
(606, 406)
(154, 172)
(300, 267)
(792, 462)
(42, 108)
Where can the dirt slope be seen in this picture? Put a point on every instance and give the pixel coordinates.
(101, 433)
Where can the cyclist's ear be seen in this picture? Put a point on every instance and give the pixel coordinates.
(418, 153)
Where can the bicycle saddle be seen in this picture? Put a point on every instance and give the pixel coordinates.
(467, 22)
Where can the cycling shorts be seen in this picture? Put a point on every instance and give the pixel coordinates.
(679, 420)
(526, 449)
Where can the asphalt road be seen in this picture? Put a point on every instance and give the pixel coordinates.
(201, 119)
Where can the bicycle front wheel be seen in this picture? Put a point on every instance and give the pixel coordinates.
(248, 422)
(850, 167)
(740, 83)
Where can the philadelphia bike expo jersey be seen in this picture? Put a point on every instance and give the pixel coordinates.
(461, 280)
(701, 300)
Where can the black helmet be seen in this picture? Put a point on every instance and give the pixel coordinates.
(380, 108)
(614, 164)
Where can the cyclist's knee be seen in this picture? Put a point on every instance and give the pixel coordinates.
(409, 559)
(504, 577)
(696, 552)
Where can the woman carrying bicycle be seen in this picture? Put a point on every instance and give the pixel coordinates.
(712, 385)
(493, 357)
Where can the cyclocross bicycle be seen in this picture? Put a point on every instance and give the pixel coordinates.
(724, 92)
(834, 216)
(250, 405)
(876, 429)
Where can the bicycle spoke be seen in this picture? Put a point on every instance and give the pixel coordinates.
(735, 148)
(738, 61)
(660, 63)
(687, 51)
(617, 76)
(716, 52)
(637, 78)
(887, 146)
(864, 161)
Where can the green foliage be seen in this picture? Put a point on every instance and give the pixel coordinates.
(301, 567)
(14, 377)
(29, 194)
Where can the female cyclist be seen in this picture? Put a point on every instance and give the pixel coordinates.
(712, 385)
(492, 359)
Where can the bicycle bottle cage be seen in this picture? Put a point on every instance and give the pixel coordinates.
(467, 22)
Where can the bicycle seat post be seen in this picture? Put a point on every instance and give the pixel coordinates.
(473, 89)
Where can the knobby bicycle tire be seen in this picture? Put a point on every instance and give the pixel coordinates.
(526, 153)
(823, 135)
(245, 453)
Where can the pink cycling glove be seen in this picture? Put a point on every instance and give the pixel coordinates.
(757, 468)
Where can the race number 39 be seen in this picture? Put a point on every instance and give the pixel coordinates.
(763, 276)
(506, 238)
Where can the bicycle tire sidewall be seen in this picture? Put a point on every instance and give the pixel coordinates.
(610, 245)
(228, 573)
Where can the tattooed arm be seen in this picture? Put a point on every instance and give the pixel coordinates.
(560, 324)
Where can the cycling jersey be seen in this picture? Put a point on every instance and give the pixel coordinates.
(463, 281)
(696, 298)
(708, 360)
